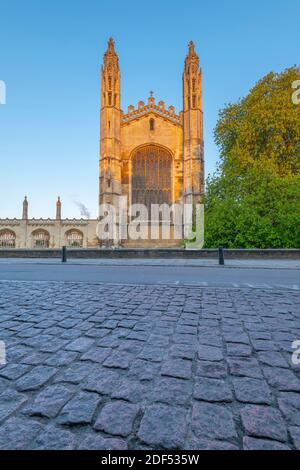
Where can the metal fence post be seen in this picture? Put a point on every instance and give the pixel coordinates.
(64, 254)
(221, 256)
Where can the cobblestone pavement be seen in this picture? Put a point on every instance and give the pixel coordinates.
(93, 366)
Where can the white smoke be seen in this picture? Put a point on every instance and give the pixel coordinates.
(84, 212)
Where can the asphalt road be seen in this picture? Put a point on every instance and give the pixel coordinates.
(121, 273)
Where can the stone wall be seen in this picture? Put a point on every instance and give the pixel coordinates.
(57, 229)
(154, 253)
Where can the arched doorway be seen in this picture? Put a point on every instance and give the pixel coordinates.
(74, 238)
(7, 239)
(40, 238)
(151, 181)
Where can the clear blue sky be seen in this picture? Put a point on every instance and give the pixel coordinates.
(50, 57)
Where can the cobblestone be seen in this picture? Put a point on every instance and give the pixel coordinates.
(282, 379)
(131, 391)
(13, 371)
(245, 367)
(264, 421)
(248, 390)
(172, 391)
(163, 426)
(80, 409)
(211, 369)
(213, 421)
(250, 443)
(54, 438)
(117, 418)
(96, 442)
(50, 401)
(96, 366)
(194, 443)
(10, 400)
(210, 353)
(179, 368)
(35, 378)
(16, 433)
(295, 434)
(212, 390)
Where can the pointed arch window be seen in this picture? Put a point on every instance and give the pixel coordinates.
(151, 176)
(152, 124)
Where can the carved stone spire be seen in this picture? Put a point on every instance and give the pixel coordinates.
(110, 129)
(58, 209)
(193, 128)
(192, 80)
(25, 209)
(111, 46)
(110, 95)
(192, 52)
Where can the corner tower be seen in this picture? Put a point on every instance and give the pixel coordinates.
(193, 145)
(110, 125)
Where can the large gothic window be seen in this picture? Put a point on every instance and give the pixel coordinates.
(151, 176)
(41, 238)
(7, 239)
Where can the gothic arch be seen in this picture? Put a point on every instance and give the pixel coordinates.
(74, 238)
(40, 238)
(151, 175)
(7, 238)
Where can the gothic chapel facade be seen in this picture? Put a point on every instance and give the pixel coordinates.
(150, 154)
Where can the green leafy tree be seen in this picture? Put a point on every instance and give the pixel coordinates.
(262, 129)
(254, 199)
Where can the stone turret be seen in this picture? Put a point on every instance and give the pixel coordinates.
(193, 146)
(110, 119)
(58, 209)
(25, 209)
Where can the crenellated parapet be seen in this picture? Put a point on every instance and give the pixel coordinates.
(144, 109)
(41, 222)
(10, 222)
(75, 222)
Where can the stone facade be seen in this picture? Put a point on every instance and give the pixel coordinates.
(47, 233)
(150, 155)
